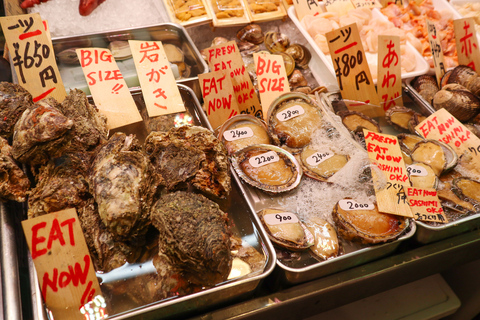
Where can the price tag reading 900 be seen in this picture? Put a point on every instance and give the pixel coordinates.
(280, 218)
(264, 159)
(415, 170)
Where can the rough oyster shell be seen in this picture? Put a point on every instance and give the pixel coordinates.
(326, 244)
(453, 202)
(282, 175)
(252, 33)
(14, 184)
(293, 236)
(321, 165)
(368, 226)
(457, 100)
(409, 141)
(438, 155)
(355, 121)
(415, 121)
(14, 99)
(276, 42)
(467, 189)
(426, 86)
(422, 176)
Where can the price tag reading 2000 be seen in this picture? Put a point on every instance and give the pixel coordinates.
(280, 218)
(238, 133)
(349, 204)
(290, 113)
(264, 159)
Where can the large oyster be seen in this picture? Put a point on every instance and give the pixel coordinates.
(14, 99)
(194, 235)
(123, 183)
(190, 155)
(14, 184)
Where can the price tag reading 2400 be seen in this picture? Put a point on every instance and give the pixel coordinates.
(238, 133)
(280, 218)
(348, 204)
(290, 113)
(319, 157)
(264, 159)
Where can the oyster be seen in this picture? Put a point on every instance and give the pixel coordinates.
(321, 165)
(242, 131)
(466, 77)
(285, 229)
(422, 176)
(457, 100)
(251, 33)
(276, 42)
(408, 141)
(267, 167)
(399, 117)
(436, 154)
(14, 184)
(292, 118)
(300, 54)
(426, 86)
(14, 99)
(194, 235)
(368, 226)
(123, 183)
(326, 240)
(467, 189)
(356, 121)
(190, 155)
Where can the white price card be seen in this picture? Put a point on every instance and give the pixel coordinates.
(264, 159)
(349, 204)
(319, 157)
(280, 218)
(238, 133)
(290, 113)
(415, 170)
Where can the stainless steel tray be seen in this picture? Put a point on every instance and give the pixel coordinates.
(244, 224)
(428, 233)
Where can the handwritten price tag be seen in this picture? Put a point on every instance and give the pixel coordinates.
(349, 205)
(306, 7)
(64, 267)
(389, 77)
(467, 43)
(280, 218)
(319, 157)
(437, 52)
(290, 113)
(415, 170)
(264, 159)
(425, 205)
(32, 55)
(238, 133)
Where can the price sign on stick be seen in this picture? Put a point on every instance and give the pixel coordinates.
(425, 205)
(64, 267)
(306, 7)
(32, 55)
(437, 52)
(227, 57)
(272, 78)
(384, 152)
(159, 88)
(350, 64)
(389, 84)
(218, 96)
(108, 88)
(341, 7)
(467, 43)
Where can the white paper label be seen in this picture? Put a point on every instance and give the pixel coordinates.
(290, 113)
(349, 204)
(318, 157)
(264, 159)
(238, 133)
(415, 170)
(280, 218)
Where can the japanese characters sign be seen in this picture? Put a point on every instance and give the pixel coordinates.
(156, 78)
(64, 267)
(341, 7)
(425, 205)
(384, 152)
(436, 47)
(366, 4)
(389, 83)
(272, 78)
(350, 64)
(227, 57)
(306, 7)
(444, 127)
(108, 87)
(467, 43)
(33, 58)
(218, 96)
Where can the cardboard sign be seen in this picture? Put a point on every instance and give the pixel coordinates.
(108, 88)
(425, 205)
(437, 52)
(467, 43)
(341, 7)
(444, 127)
(227, 57)
(156, 78)
(64, 267)
(384, 152)
(218, 96)
(389, 84)
(33, 57)
(366, 4)
(351, 66)
(306, 7)
(271, 77)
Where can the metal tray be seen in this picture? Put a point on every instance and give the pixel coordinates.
(244, 224)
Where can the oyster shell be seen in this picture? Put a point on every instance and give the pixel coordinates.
(292, 118)
(194, 235)
(291, 234)
(422, 176)
(368, 226)
(426, 86)
(14, 184)
(242, 131)
(14, 99)
(436, 154)
(457, 100)
(326, 240)
(409, 141)
(276, 42)
(321, 165)
(300, 54)
(415, 121)
(355, 121)
(467, 189)
(451, 201)
(251, 33)
(399, 117)
(254, 165)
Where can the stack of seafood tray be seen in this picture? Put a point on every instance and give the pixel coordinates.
(163, 217)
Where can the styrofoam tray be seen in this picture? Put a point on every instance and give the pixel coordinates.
(422, 66)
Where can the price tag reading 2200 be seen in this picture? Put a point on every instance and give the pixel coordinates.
(264, 159)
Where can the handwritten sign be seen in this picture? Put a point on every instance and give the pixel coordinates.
(467, 43)
(319, 157)
(280, 218)
(437, 52)
(389, 83)
(425, 205)
(351, 66)
(238, 133)
(350, 204)
(306, 7)
(156, 78)
(108, 88)
(342, 7)
(264, 159)
(218, 96)
(272, 78)
(444, 127)
(366, 4)
(384, 152)
(32, 55)
(63, 264)
(227, 57)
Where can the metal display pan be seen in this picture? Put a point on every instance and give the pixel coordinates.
(244, 224)
(428, 233)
